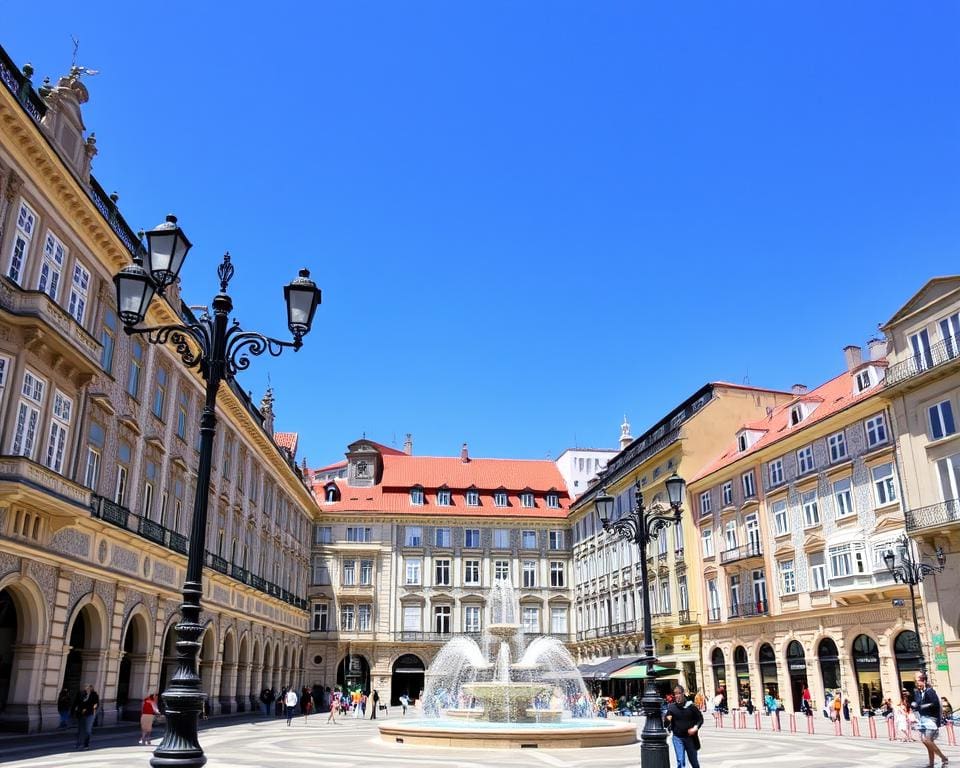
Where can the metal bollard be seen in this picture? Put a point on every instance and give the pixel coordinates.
(810, 724)
(734, 718)
(891, 730)
(838, 731)
(793, 723)
(872, 726)
(756, 720)
(743, 720)
(855, 726)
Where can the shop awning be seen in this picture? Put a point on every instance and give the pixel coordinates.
(605, 669)
(639, 672)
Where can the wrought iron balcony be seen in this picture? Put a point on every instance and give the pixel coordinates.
(216, 562)
(746, 610)
(747, 551)
(152, 531)
(944, 513)
(686, 617)
(916, 365)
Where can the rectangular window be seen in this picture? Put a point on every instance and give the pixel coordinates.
(322, 534)
(471, 572)
(526, 500)
(501, 570)
(366, 573)
(441, 619)
(349, 573)
(347, 618)
(412, 536)
(948, 471)
(358, 534)
(805, 460)
(846, 560)
(501, 538)
(730, 534)
(705, 506)
(120, 491)
(558, 573)
(500, 499)
(321, 617)
(108, 339)
(471, 618)
(713, 595)
(727, 492)
(441, 537)
(79, 288)
(160, 394)
(146, 503)
(941, 420)
(863, 380)
(59, 429)
(706, 537)
(136, 366)
(364, 613)
(529, 573)
(775, 469)
(781, 521)
(788, 577)
(838, 446)
(950, 333)
(416, 497)
(95, 442)
(811, 509)
(473, 498)
(842, 497)
(558, 621)
(471, 538)
(183, 403)
(556, 539)
(412, 618)
(28, 415)
(441, 573)
(553, 501)
(665, 597)
(884, 484)
(528, 539)
(51, 266)
(321, 571)
(876, 430)
(818, 572)
(413, 571)
(531, 618)
(749, 491)
(23, 235)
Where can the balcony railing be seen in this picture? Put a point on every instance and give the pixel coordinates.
(743, 552)
(115, 514)
(713, 616)
(944, 513)
(746, 610)
(686, 617)
(915, 365)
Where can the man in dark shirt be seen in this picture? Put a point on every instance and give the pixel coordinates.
(85, 709)
(927, 704)
(684, 720)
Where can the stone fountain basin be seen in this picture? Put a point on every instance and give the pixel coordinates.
(473, 734)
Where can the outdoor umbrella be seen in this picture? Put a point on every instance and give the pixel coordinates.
(639, 672)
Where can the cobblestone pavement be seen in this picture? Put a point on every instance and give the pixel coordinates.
(356, 744)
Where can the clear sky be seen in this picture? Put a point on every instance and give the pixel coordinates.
(528, 218)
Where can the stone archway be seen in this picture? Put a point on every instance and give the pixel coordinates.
(168, 656)
(406, 677)
(23, 628)
(243, 690)
(207, 663)
(86, 648)
(134, 666)
(267, 674)
(228, 673)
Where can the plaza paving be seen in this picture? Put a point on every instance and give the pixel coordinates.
(267, 743)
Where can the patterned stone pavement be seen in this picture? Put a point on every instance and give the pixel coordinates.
(356, 744)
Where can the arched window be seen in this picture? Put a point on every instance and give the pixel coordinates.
(332, 493)
(797, 669)
(741, 668)
(866, 664)
(829, 658)
(906, 651)
(768, 670)
(719, 664)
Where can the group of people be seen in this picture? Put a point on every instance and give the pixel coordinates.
(356, 702)
(85, 707)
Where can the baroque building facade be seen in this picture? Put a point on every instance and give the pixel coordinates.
(607, 577)
(98, 458)
(406, 549)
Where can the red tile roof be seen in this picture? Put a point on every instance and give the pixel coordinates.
(832, 397)
(287, 440)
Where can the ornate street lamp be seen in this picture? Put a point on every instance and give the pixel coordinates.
(641, 526)
(221, 351)
(907, 569)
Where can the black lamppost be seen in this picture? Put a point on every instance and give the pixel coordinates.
(218, 350)
(908, 569)
(641, 526)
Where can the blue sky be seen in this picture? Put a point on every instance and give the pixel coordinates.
(529, 218)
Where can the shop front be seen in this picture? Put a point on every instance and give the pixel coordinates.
(866, 667)
(797, 672)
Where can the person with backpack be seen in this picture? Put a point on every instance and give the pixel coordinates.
(85, 710)
(926, 703)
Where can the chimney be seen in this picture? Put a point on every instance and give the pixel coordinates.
(625, 437)
(464, 456)
(799, 389)
(853, 355)
(408, 445)
(878, 348)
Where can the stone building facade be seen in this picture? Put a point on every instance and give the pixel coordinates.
(98, 458)
(406, 549)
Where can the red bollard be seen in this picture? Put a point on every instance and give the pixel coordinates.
(837, 728)
(735, 713)
(793, 723)
(743, 721)
(891, 730)
(756, 723)
(809, 724)
(775, 717)
(855, 725)
(872, 725)
(951, 735)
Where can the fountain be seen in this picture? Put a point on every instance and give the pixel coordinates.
(506, 691)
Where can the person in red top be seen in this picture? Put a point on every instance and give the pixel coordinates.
(147, 713)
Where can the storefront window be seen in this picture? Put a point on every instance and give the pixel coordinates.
(768, 671)
(719, 664)
(797, 667)
(829, 664)
(906, 650)
(866, 664)
(741, 668)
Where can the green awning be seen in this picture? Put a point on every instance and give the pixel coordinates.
(639, 672)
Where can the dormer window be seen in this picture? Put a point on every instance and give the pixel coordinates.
(416, 496)
(796, 415)
(331, 493)
(865, 379)
(500, 499)
(526, 499)
(742, 442)
(473, 498)
(553, 501)
(443, 497)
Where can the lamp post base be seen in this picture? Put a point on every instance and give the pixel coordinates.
(654, 752)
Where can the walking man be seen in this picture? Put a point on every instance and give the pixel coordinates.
(85, 710)
(376, 704)
(927, 705)
(684, 720)
(290, 702)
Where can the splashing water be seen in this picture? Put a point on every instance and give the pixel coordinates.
(481, 681)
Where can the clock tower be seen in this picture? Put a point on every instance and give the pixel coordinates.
(364, 464)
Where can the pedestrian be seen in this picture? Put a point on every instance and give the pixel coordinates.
(63, 707)
(699, 701)
(148, 712)
(835, 706)
(404, 703)
(806, 702)
(901, 718)
(265, 701)
(356, 703)
(684, 721)
(306, 704)
(376, 704)
(85, 710)
(946, 709)
(290, 702)
(927, 705)
(334, 705)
